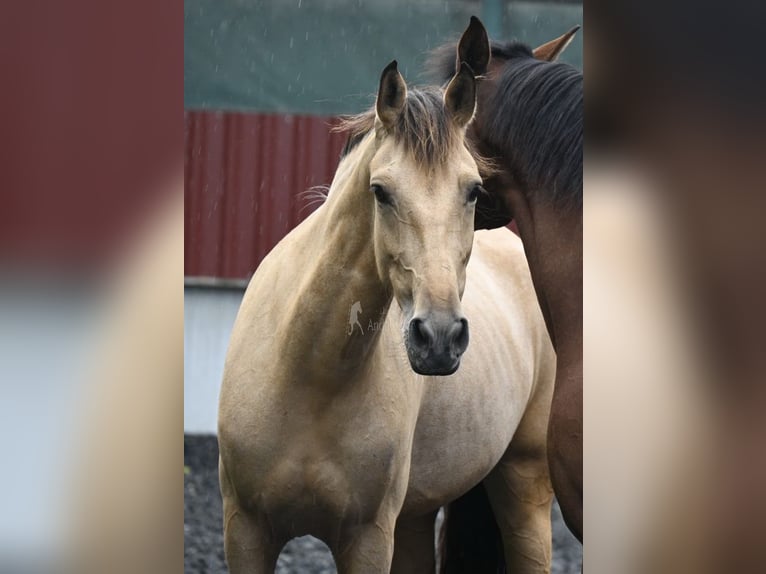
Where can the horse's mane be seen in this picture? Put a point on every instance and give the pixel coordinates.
(534, 120)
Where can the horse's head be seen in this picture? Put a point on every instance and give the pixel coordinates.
(424, 183)
(509, 78)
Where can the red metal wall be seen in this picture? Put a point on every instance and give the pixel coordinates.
(244, 178)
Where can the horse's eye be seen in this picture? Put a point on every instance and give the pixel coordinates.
(473, 195)
(380, 194)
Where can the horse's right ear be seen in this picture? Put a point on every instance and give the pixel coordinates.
(392, 93)
(473, 48)
(550, 51)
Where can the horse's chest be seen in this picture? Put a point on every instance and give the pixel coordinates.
(319, 467)
(313, 489)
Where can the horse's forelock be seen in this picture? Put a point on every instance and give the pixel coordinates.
(423, 127)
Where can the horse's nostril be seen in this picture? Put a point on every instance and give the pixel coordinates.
(458, 335)
(421, 334)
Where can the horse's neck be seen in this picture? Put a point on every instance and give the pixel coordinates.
(321, 328)
(552, 240)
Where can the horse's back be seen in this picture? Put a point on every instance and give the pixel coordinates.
(500, 295)
(498, 258)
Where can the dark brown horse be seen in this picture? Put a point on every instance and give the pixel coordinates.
(529, 121)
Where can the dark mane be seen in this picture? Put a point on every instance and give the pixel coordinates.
(534, 120)
(511, 49)
(423, 127)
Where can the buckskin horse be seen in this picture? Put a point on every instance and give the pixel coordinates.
(529, 122)
(360, 437)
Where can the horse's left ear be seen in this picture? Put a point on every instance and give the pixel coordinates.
(473, 48)
(460, 96)
(552, 50)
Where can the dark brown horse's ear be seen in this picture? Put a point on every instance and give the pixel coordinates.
(552, 50)
(460, 96)
(392, 93)
(473, 48)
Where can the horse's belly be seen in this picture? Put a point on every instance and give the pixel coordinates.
(465, 425)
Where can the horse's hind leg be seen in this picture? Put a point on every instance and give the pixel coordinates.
(520, 493)
(414, 551)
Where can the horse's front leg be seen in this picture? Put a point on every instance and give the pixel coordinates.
(369, 547)
(414, 551)
(249, 545)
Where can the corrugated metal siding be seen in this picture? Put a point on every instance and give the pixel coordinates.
(245, 175)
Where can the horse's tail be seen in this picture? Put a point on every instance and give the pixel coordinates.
(470, 541)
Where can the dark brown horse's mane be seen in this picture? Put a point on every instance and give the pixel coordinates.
(534, 119)
(424, 128)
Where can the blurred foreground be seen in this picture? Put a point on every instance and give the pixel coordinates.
(674, 277)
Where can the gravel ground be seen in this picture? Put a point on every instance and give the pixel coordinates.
(203, 536)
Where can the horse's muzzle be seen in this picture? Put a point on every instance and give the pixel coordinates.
(435, 342)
